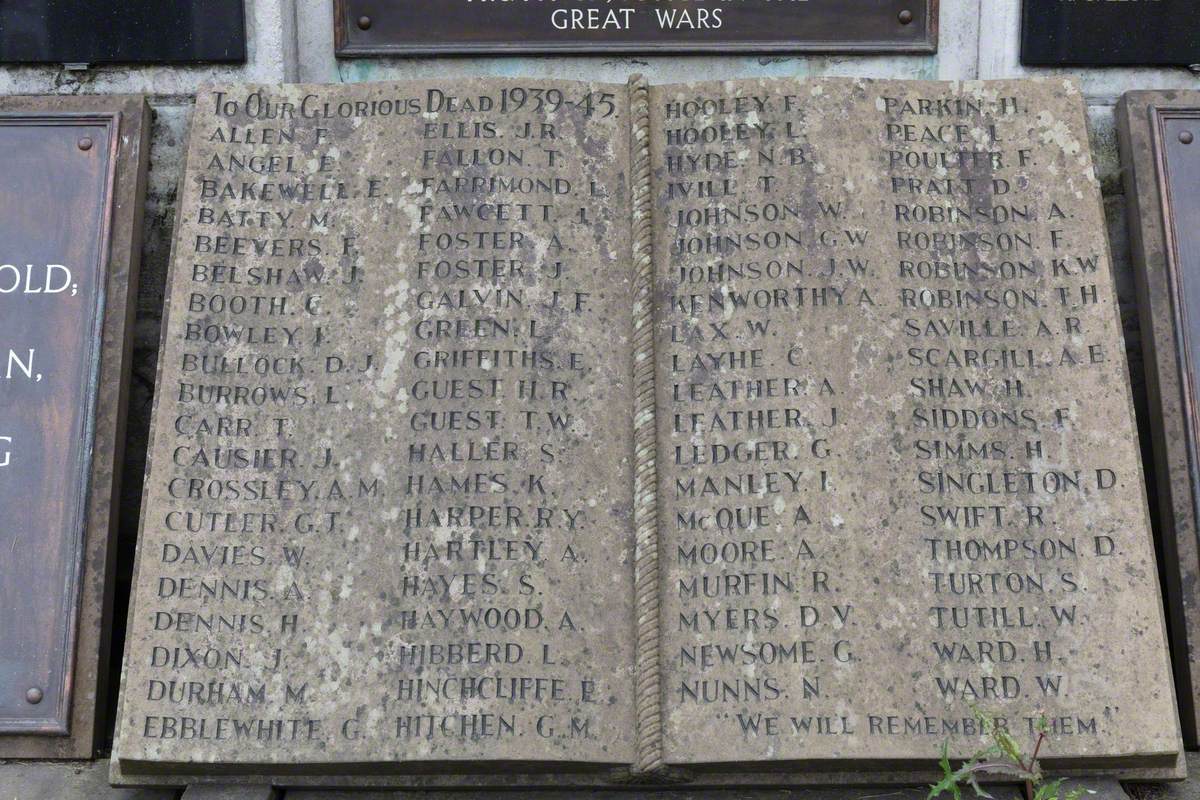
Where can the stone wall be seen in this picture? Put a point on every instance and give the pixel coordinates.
(292, 40)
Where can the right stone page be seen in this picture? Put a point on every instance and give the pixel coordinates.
(899, 479)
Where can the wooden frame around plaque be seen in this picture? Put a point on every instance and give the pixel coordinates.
(73, 724)
(1164, 270)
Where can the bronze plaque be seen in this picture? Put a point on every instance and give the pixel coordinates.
(465, 27)
(1177, 135)
(1160, 151)
(54, 224)
(63, 317)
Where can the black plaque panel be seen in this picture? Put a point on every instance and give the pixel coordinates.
(1176, 133)
(128, 31)
(454, 27)
(54, 222)
(1096, 33)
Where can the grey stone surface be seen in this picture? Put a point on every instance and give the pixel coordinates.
(865, 793)
(486, 324)
(901, 416)
(81, 780)
(1096, 790)
(232, 792)
(87, 781)
(1081, 494)
(1179, 790)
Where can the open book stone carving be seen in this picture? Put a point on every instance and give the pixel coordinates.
(538, 432)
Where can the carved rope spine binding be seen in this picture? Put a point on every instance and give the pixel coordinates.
(648, 698)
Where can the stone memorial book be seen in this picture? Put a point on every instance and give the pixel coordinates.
(518, 432)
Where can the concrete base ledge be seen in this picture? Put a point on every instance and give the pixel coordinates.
(68, 780)
(88, 780)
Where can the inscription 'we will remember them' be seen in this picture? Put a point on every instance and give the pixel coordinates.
(390, 513)
(898, 467)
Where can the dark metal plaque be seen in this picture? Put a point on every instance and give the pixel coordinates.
(72, 193)
(1160, 152)
(1096, 33)
(1177, 134)
(54, 223)
(130, 31)
(462, 27)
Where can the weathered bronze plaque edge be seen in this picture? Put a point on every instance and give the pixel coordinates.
(1155, 263)
(88, 656)
(1186, 345)
(60, 725)
(345, 48)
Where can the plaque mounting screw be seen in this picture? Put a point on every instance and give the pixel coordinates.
(364, 22)
(85, 143)
(1186, 137)
(34, 696)
(905, 17)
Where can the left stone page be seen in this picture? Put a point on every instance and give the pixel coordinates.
(388, 513)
